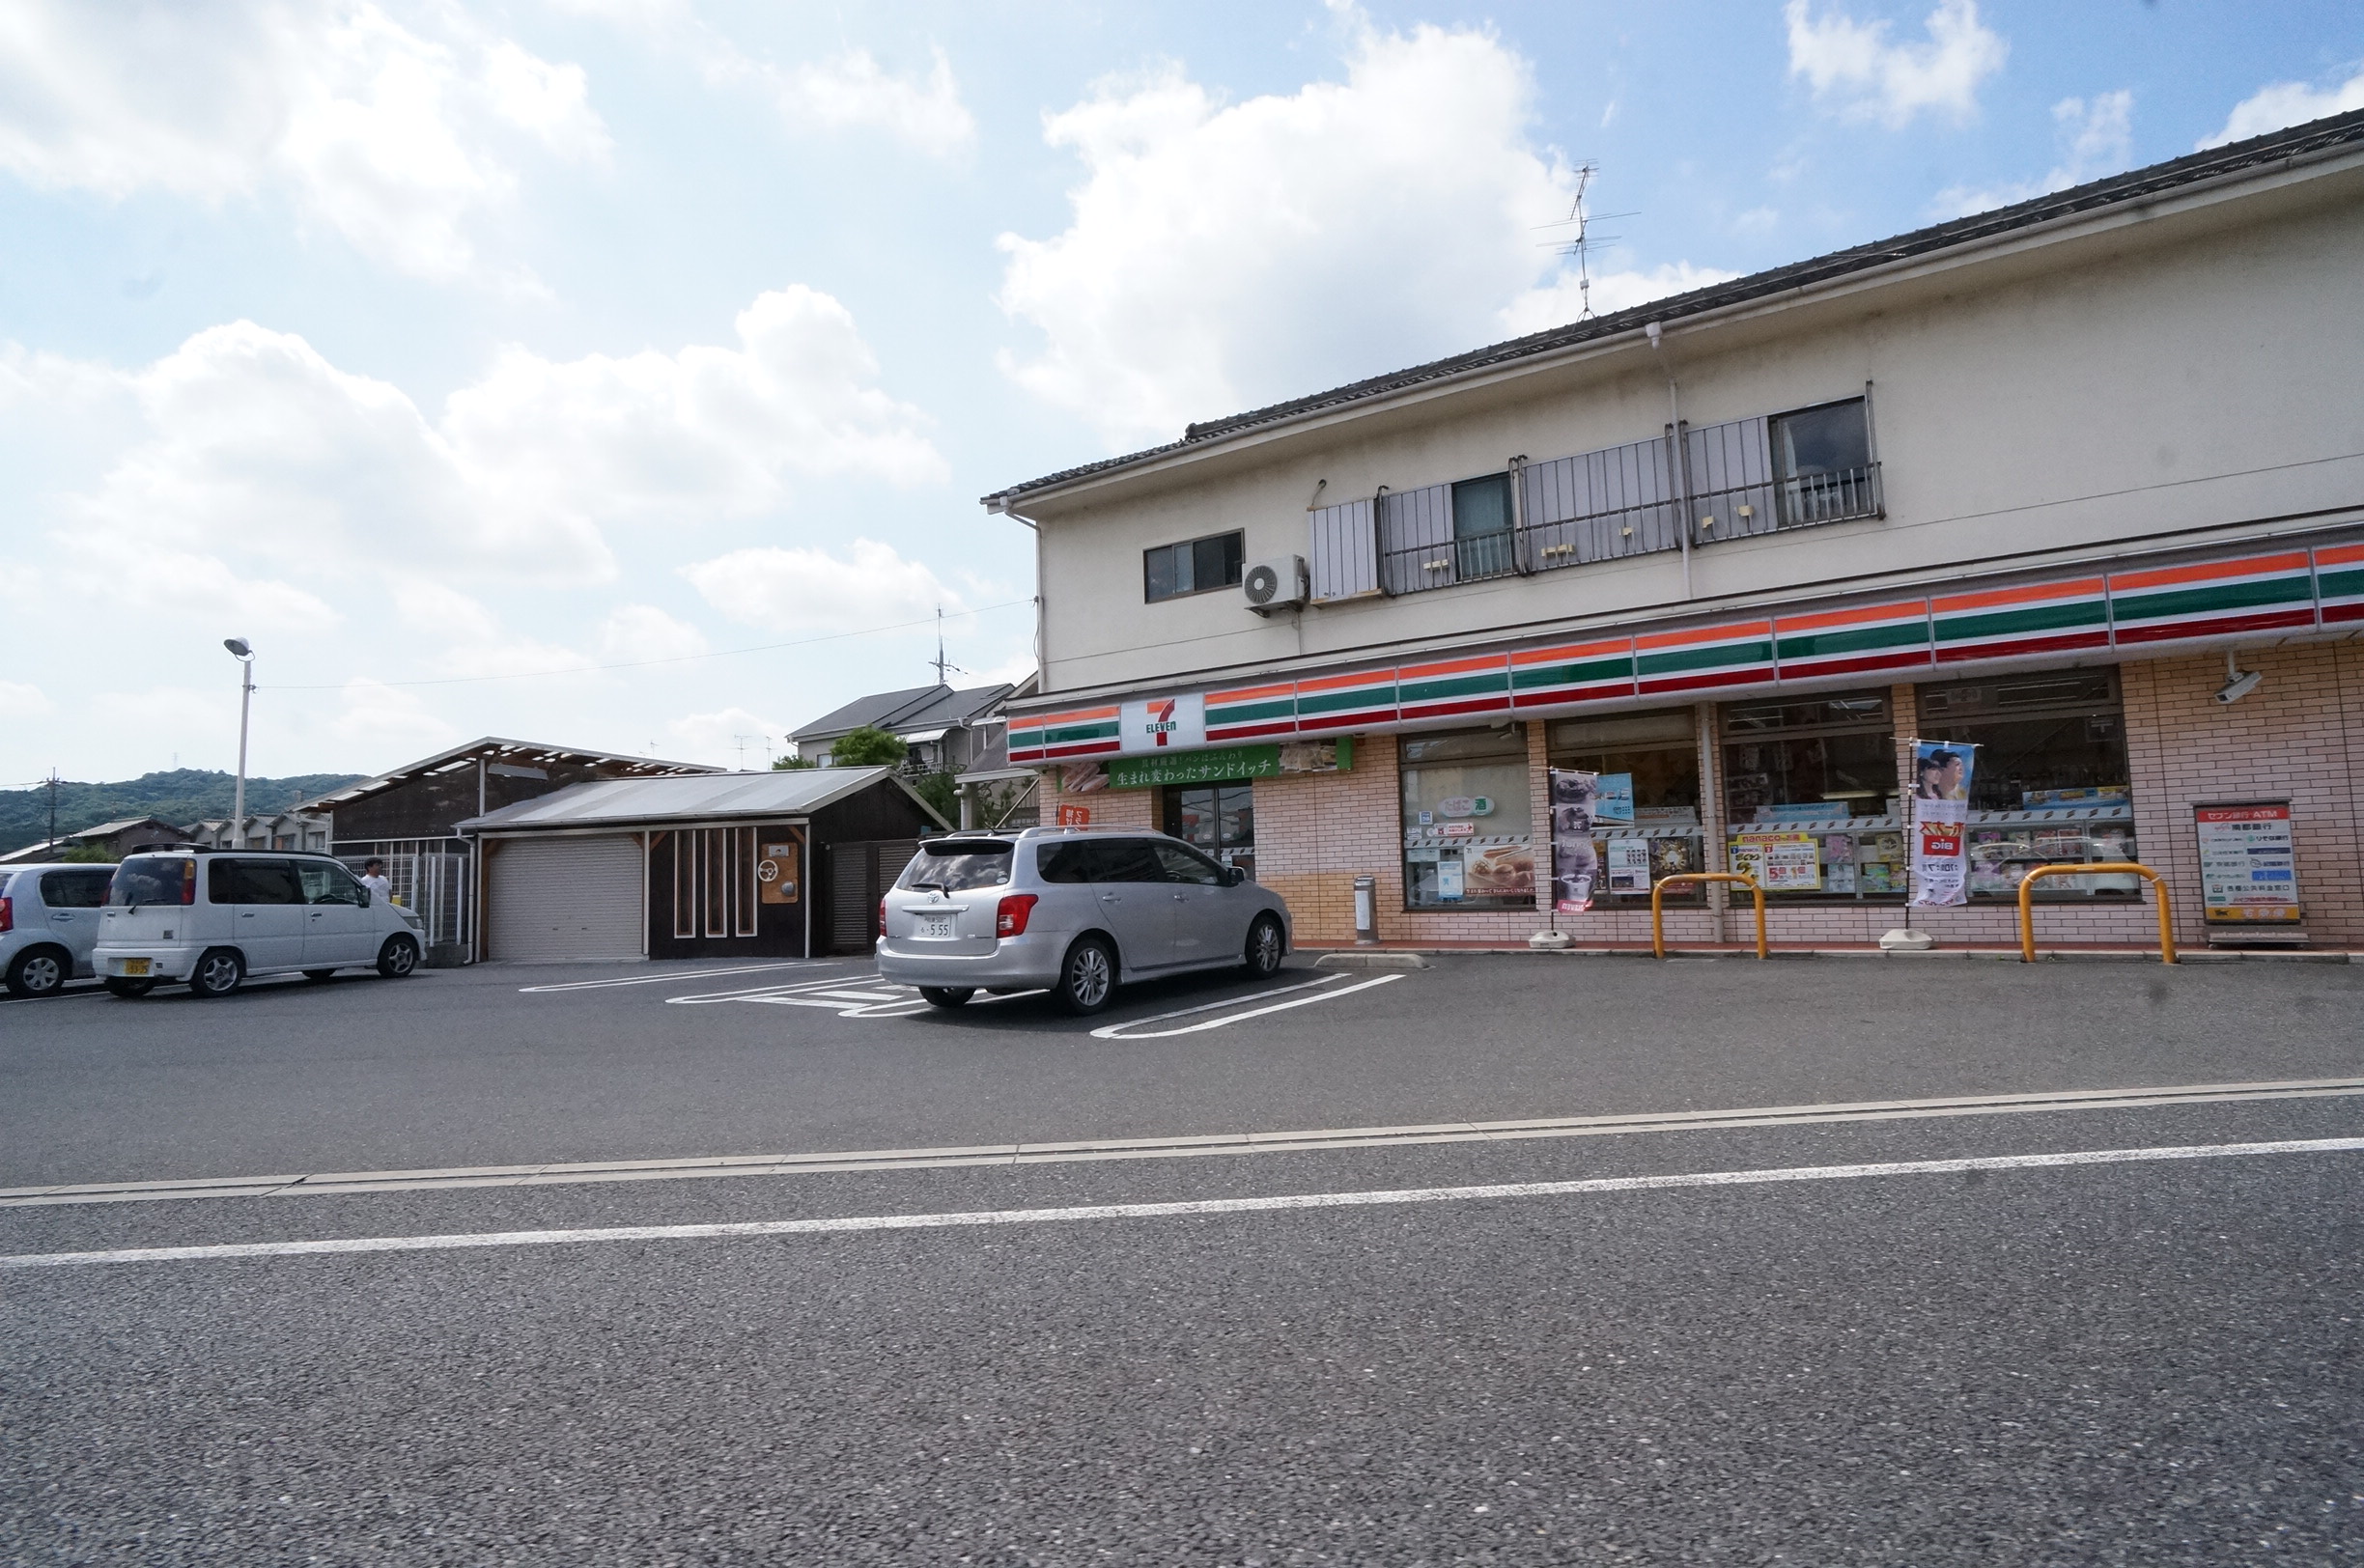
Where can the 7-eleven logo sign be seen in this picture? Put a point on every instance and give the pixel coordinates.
(1156, 724)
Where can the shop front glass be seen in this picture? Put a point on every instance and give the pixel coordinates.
(2049, 782)
(1217, 818)
(1468, 821)
(1809, 803)
(1659, 752)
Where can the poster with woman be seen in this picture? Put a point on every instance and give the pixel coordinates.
(1941, 814)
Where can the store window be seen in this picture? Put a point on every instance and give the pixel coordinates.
(1217, 818)
(2049, 783)
(1810, 802)
(1658, 752)
(1196, 565)
(1468, 821)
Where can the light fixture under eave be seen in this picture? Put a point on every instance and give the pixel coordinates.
(2238, 683)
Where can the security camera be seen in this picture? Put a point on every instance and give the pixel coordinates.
(2239, 687)
(2236, 684)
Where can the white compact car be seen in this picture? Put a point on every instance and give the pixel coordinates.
(210, 919)
(48, 924)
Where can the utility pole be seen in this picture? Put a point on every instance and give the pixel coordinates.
(53, 784)
(942, 663)
(243, 653)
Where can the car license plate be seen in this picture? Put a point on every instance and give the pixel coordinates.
(939, 928)
(135, 965)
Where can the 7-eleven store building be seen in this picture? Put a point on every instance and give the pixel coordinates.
(2075, 489)
(2090, 698)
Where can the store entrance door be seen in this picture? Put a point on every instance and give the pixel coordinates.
(1217, 818)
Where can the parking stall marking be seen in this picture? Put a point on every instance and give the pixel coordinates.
(613, 981)
(1171, 1147)
(1600, 1185)
(1118, 1032)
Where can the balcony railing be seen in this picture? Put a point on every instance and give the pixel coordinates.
(1734, 512)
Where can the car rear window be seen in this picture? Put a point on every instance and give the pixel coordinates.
(956, 864)
(151, 879)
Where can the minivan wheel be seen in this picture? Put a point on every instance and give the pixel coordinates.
(1088, 976)
(218, 972)
(398, 957)
(37, 971)
(130, 988)
(947, 996)
(1265, 947)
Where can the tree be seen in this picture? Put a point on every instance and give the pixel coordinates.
(939, 791)
(783, 765)
(89, 854)
(868, 747)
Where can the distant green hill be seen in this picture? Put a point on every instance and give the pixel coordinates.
(181, 796)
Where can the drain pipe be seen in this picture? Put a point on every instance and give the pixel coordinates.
(1042, 635)
(1679, 455)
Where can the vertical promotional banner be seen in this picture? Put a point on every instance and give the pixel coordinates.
(1575, 866)
(1940, 822)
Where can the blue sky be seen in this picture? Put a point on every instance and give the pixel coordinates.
(459, 355)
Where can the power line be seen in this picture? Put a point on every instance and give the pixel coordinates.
(647, 663)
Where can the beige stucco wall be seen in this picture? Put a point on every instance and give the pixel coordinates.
(2188, 369)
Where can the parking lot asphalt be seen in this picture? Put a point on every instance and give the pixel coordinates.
(492, 1066)
(2054, 1330)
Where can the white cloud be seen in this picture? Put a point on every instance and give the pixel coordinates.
(19, 700)
(376, 719)
(1854, 61)
(797, 590)
(390, 137)
(1561, 301)
(845, 90)
(2097, 138)
(850, 90)
(636, 633)
(732, 738)
(2287, 103)
(1222, 256)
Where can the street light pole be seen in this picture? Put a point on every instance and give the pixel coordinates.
(245, 654)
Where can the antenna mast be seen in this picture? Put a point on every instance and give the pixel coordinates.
(942, 663)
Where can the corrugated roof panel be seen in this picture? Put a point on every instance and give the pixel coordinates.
(697, 797)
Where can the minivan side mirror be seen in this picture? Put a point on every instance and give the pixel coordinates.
(365, 896)
(1233, 875)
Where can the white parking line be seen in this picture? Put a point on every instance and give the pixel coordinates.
(1120, 1031)
(1163, 1210)
(677, 974)
(1179, 1146)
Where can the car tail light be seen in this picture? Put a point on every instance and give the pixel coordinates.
(881, 918)
(8, 915)
(188, 881)
(1012, 915)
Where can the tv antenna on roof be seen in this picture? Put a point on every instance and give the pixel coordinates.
(1581, 248)
(942, 663)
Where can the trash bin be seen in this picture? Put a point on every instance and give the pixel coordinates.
(1366, 911)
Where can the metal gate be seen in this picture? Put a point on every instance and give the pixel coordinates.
(558, 899)
(435, 887)
(859, 874)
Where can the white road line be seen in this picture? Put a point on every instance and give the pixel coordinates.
(1119, 1031)
(792, 988)
(1171, 1147)
(1163, 1210)
(677, 974)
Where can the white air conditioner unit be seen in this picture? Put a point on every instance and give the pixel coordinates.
(1272, 585)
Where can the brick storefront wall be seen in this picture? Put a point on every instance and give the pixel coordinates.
(2299, 736)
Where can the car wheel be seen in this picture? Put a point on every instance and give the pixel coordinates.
(947, 996)
(398, 957)
(130, 988)
(315, 976)
(37, 971)
(218, 972)
(1088, 976)
(1265, 947)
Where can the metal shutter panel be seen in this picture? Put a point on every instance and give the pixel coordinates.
(555, 899)
(861, 871)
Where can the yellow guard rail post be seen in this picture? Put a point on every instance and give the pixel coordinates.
(2027, 903)
(1658, 908)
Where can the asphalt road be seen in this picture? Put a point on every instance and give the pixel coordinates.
(2140, 1361)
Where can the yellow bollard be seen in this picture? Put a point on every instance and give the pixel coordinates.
(2027, 903)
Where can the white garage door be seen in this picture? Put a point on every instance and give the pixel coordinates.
(565, 898)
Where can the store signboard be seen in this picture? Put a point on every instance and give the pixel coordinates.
(776, 871)
(1940, 824)
(1161, 724)
(2248, 864)
(1629, 865)
(1781, 863)
(1220, 765)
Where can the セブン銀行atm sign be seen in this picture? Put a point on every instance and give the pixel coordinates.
(1162, 724)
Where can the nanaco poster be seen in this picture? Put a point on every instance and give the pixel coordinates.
(1940, 822)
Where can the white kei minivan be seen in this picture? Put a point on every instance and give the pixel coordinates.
(209, 919)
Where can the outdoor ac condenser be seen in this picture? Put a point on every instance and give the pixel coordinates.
(1272, 585)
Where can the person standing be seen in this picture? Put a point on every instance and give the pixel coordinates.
(374, 877)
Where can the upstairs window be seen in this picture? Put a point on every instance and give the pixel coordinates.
(1196, 565)
(1823, 464)
(1481, 528)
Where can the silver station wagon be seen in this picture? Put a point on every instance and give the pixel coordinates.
(1073, 911)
